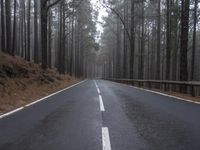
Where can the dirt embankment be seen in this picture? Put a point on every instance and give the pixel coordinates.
(22, 82)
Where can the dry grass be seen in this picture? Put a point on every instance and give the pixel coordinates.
(22, 82)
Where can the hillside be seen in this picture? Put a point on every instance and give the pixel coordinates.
(22, 82)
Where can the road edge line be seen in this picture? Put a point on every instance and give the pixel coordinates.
(167, 95)
(39, 100)
(159, 93)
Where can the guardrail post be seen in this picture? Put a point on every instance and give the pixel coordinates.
(193, 92)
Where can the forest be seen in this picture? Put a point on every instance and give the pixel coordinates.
(151, 39)
(99, 75)
(141, 39)
(56, 34)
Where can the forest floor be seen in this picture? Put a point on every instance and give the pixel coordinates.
(22, 82)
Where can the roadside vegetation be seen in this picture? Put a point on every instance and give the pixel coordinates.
(22, 82)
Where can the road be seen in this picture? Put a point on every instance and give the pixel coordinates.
(102, 115)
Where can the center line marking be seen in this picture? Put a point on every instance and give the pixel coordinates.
(106, 139)
(95, 84)
(101, 103)
(98, 91)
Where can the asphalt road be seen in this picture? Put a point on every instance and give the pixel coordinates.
(102, 115)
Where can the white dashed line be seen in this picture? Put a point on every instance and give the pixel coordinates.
(95, 84)
(101, 103)
(105, 132)
(98, 91)
(97, 87)
(102, 108)
(106, 139)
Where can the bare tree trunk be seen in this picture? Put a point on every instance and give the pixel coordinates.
(118, 49)
(36, 47)
(49, 39)
(29, 31)
(2, 27)
(125, 40)
(132, 42)
(25, 34)
(14, 28)
(184, 41)
(194, 40)
(44, 15)
(142, 45)
(168, 43)
(8, 26)
(158, 44)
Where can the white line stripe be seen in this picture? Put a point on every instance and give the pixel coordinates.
(159, 93)
(11, 112)
(54, 94)
(106, 139)
(18, 109)
(95, 84)
(98, 91)
(101, 103)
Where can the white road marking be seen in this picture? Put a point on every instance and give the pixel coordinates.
(96, 84)
(18, 109)
(11, 112)
(159, 93)
(105, 132)
(97, 87)
(98, 91)
(105, 139)
(101, 103)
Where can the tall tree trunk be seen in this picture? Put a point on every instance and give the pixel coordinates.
(49, 39)
(14, 28)
(3, 42)
(125, 40)
(118, 49)
(72, 44)
(8, 26)
(132, 42)
(184, 41)
(158, 44)
(142, 45)
(25, 34)
(44, 15)
(36, 47)
(63, 36)
(174, 39)
(194, 40)
(29, 31)
(168, 43)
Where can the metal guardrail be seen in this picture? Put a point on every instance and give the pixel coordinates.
(187, 87)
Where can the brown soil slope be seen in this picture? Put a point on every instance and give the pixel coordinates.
(22, 82)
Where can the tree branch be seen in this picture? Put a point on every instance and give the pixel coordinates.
(121, 19)
(52, 4)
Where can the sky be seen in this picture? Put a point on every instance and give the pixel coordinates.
(102, 13)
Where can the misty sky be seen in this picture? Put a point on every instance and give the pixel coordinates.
(102, 12)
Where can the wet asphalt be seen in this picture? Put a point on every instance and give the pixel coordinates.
(72, 120)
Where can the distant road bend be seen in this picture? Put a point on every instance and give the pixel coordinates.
(103, 115)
